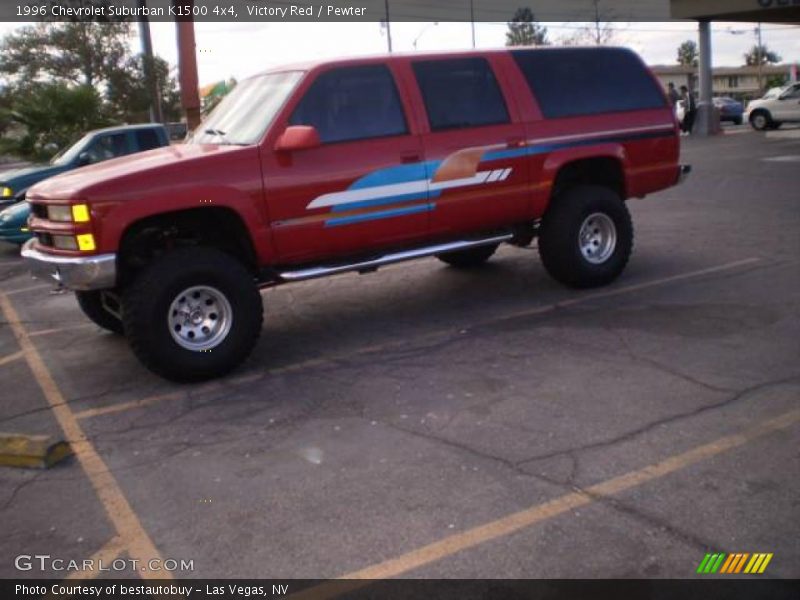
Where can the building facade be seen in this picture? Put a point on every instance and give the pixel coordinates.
(741, 83)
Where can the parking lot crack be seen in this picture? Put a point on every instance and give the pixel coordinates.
(648, 427)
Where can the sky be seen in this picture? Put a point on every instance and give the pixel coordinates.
(241, 49)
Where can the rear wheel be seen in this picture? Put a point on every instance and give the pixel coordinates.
(586, 236)
(95, 305)
(194, 314)
(471, 257)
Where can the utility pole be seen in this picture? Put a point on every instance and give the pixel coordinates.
(156, 114)
(388, 27)
(759, 59)
(187, 65)
(472, 20)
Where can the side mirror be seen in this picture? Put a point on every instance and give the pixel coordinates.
(84, 159)
(298, 137)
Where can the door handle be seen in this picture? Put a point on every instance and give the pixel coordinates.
(516, 143)
(409, 158)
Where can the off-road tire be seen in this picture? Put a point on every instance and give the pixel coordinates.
(560, 236)
(91, 303)
(147, 306)
(469, 258)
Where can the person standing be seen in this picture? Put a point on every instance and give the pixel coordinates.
(672, 95)
(689, 110)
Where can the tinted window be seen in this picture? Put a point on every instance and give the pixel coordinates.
(352, 103)
(460, 93)
(147, 139)
(586, 81)
(108, 146)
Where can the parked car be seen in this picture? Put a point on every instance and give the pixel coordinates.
(729, 109)
(349, 165)
(14, 223)
(96, 146)
(775, 108)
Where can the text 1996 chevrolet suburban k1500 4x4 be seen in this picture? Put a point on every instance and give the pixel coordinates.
(348, 165)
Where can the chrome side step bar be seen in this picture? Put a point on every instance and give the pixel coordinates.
(388, 259)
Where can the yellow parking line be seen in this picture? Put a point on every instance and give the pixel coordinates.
(541, 512)
(30, 288)
(53, 330)
(11, 358)
(136, 540)
(433, 335)
(105, 555)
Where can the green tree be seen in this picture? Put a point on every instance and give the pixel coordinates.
(81, 53)
(523, 30)
(761, 55)
(688, 54)
(75, 57)
(52, 115)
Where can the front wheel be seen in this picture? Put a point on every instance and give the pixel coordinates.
(194, 314)
(586, 236)
(760, 120)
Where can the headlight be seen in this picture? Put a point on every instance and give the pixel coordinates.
(78, 213)
(6, 192)
(59, 213)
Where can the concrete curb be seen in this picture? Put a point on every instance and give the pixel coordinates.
(31, 451)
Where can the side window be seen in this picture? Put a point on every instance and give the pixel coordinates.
(107, 146)
(460, 93)
(147, 139)
(793, 93)
(569, 82)
(352, 103)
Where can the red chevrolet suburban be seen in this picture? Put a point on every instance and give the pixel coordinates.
(348, 165)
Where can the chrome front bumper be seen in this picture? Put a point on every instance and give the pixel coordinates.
(74, 272)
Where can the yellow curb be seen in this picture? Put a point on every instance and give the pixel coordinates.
(31, 451)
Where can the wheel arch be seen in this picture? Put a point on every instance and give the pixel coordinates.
(219, 227)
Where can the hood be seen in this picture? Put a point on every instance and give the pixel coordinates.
(19, 179)
(16, 213)
(132, 173)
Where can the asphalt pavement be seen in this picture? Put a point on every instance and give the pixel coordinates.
(423, 421)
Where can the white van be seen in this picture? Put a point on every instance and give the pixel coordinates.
(779, 105)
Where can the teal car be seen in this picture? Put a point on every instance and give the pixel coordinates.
(96, 146)
(14, 223)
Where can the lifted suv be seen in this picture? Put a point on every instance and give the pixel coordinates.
(315, 169)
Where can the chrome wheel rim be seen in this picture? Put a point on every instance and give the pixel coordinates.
(597, 238)
(200, 318)
(760, 121)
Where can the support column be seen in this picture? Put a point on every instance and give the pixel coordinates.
(707, 121)
(187, 68)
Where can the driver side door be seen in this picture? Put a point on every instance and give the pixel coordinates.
(364, 187)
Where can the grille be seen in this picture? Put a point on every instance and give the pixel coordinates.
(39, 210)
(45, 239)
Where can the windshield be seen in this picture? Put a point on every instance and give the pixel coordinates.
(70, 153)
(244, 115)
(773, 93)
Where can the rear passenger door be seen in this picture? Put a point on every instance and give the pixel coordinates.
(365, 186)
(474, 146)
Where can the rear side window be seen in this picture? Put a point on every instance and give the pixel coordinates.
(460, 93)
(588, 81)
(147, 139)
(352, 103)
